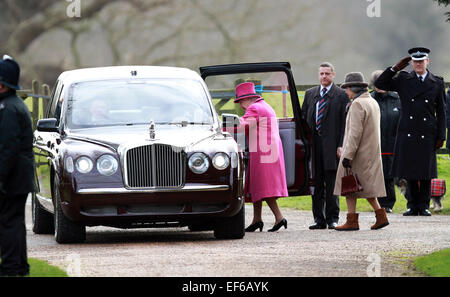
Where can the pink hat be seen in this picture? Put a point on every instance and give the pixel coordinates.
(245, 90)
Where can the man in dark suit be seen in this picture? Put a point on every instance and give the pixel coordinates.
(324, 110)
(16, 171)
(389, 103)
(421, 129)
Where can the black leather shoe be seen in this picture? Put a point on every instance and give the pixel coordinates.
(252, 228)
(332, 225)
(388, 209)
(283, 222)
(317, 226)
(411, 212)
(424, 212)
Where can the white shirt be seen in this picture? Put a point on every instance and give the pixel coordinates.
(321, 95)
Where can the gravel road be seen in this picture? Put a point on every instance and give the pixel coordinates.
(296, 251)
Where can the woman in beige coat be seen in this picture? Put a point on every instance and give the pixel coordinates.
(361, 151)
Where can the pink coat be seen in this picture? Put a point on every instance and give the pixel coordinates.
(266, 175)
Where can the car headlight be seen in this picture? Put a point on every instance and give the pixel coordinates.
(198, 163)
(107, 165)
(221, 161)
(84, 164)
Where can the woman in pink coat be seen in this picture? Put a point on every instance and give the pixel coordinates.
(266, 179)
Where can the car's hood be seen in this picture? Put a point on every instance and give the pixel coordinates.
(135, 135)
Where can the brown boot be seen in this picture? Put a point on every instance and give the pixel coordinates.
(382, 220)
(351, 224)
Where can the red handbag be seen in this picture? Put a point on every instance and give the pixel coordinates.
(437, 187)
(350, 183)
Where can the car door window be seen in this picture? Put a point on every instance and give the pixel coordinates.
(55, 105)
(272, 86)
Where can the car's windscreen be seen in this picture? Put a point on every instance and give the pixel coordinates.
(134, 102)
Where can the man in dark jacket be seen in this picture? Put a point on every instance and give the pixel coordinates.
(448, 119)
(324, 110)
(16, 171)
(389, 103)
(421, 129)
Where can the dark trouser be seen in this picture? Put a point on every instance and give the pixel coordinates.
(13, 246)
(325, 205)
(418, 194)
(389, 199)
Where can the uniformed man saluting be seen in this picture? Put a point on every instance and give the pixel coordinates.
(421, 129)
(16, 171)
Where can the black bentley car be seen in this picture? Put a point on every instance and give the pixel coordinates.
(143, 147)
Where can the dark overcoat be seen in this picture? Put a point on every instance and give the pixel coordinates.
(422, 122)
(333, 123)
(389, 104)
(448, 118)
(16, 146)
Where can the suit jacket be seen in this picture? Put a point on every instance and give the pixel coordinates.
(422, 122)
(333, 122)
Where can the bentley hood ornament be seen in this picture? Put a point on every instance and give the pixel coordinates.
(152, 130)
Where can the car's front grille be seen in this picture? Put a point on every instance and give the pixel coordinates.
(156, 166)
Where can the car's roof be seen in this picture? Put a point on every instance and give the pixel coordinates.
(126, 72)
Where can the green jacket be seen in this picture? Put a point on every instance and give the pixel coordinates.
(16, 145)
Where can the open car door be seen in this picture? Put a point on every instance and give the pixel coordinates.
(275, 83)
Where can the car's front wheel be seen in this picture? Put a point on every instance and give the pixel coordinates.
(66, 231)
(232, 227)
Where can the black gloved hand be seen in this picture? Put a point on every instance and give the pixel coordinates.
(346, 163)
(2, 191)
(401, 64)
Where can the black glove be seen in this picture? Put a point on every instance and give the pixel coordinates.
(2, 191)
(401, 64)
(439, 144)
(346, 163)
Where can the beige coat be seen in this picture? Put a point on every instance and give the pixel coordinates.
(362, 146)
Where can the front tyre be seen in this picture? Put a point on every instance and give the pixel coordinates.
(66, 231)
(231, 228)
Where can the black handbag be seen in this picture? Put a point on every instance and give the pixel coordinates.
(350, 183)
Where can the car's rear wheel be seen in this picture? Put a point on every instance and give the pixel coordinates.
(66, 231)
(42, 220)
(232, 227)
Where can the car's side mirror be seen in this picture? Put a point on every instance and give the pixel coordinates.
(229, 120)
(47, 125)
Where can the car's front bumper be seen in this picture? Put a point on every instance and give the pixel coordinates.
(127, 207)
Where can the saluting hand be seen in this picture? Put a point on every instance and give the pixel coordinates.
(401, 64)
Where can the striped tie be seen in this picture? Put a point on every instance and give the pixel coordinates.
(320, 109)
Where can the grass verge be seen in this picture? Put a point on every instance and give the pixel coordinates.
(41, 268)
(436, 264)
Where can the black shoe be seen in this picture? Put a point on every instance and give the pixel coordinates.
(411, 212)
(283, 222)
(424, 212)
(332, 225)
(317, 226)
(258, 225)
